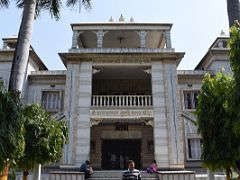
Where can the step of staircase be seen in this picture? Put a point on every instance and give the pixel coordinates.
(117, 175)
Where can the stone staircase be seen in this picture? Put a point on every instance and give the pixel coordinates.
(117, 175)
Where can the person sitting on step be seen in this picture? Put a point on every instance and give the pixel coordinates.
(87, 169)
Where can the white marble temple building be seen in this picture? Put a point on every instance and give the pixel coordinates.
(122, 94)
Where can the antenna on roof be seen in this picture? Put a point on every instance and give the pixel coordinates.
(222, 33)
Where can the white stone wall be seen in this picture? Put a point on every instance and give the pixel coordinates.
(160, 119)
(83, 114)
(77, 106)
(72, 86)
(35, 91)
(5, 70)
(174, 120)
(219, 65)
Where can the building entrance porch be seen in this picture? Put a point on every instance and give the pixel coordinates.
(116, 153)
(113, 144)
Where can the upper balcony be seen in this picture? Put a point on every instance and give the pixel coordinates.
(121, 37)
(121, 86)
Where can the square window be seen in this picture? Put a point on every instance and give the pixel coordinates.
(194, 148)
(51, 101)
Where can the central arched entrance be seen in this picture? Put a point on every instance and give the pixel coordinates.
(113, 145)
(117, 152)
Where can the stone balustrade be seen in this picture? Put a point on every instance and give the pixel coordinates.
(65, 175)
(121, 100)
(178, 175)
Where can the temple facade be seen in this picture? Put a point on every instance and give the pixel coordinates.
(121, 94)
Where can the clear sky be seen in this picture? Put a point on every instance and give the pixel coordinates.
(196, 24)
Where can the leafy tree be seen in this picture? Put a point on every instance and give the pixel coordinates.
(218, 112)
(31, 9)
(233, 10)
(44, 138)
(217, 123)
(234, 45)
(11, 129)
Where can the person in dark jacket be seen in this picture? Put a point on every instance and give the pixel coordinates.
(87, 169)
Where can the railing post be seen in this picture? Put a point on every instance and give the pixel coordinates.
(96, 100)
(100, 99)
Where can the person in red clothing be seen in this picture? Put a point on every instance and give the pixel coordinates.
(153, 167)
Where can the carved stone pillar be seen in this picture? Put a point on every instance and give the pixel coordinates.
(4, 45)
(83, 116)
(143, 35)
(72, 79)
(174, 121)
(168, 139)
(168, 39)
(160, 119)
(75, 39)
(100, 35)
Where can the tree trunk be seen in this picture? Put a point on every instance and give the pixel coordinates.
(4, 174)
(21, 54)
(25, 175)
(233, 11)
(228, 174)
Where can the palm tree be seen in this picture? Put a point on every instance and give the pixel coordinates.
(233, 10)
(31, 9)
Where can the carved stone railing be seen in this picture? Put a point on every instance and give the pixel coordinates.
(124, 101)
(65, 175)
(181, 175)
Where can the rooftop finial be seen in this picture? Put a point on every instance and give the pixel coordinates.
(121, 19)
(131, 20)
(111, 19)
(222, 33)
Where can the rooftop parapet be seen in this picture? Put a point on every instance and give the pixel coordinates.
(121, 35)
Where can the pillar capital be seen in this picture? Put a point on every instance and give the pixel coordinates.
(100, 34)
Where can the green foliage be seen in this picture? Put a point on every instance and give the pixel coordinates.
(44, 138)
(51, 6)
(11, 128)
(216, 122)
(218, 112)
(234, 45)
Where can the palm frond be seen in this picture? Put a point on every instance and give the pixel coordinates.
(54, 9)
(85, 3)
(20, 3)
(4, 3)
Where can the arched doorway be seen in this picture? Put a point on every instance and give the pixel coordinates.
(116, 153)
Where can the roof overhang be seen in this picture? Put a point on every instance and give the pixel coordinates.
(175, 57)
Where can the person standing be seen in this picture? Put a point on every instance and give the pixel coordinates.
(131, 173)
